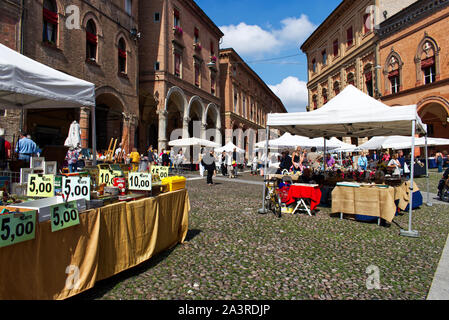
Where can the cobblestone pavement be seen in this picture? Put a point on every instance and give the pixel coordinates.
(232, 252)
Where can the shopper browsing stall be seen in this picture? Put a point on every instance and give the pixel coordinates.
(26, 148)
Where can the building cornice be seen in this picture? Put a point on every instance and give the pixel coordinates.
(203, 16)
(410, 16)
(337, 13)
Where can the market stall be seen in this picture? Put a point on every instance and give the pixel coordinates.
(353, 113)
(62, 232)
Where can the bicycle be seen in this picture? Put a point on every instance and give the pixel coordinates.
(272, 199)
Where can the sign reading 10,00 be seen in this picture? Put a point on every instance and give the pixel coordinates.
(139, 181)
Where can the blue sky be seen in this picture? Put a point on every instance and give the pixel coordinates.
(261, 30)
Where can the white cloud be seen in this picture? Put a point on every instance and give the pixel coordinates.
(246, 39)
(252, 39)
(293, 94)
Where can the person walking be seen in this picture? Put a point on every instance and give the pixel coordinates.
(201, 166)
(235, 163)
(209, 165)
(439, 160)
(362, 162)
(25, 147)
(135, 159)
(223, 164)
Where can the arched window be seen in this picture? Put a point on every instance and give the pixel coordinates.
(336, 87)
(50, 17)
(392, 73)
(427, 61)
(91, 41)
(324, 93)
(351, 79)
(315, 101)
(367, 71)
(121, 56)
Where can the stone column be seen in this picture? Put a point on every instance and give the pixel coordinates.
(129, 128)
(84, 126)
(162, 130)
(185, 127)
(203, 131)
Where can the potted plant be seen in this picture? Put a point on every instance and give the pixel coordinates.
(177, 30)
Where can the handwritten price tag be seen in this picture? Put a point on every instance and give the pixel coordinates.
(139, 181)
(17, 227)
(107, 176)
(63, 216)
(162, 172)
(41, 185)
(75, 188)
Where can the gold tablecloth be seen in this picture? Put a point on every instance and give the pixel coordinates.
(367, 201)
(108, 240)
(402, 194)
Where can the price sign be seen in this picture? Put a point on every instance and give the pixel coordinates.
(74, 188)
(63, 216)
(139, 181)
(41, 185)
(17, 227)
(162, 172)
(106, 176)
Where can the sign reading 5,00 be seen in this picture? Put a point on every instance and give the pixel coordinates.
(64, 216)
(75, 188)
(41, 185)
(17, 227)
(139, 181)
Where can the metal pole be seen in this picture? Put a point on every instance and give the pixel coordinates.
(410, 232)
(264, 210)
(324, 155)
(94, 135)
(429, 204)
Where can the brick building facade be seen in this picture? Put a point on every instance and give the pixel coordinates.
(179, 76)
(343, 50)
(414, 53)
(93, 43)
(246, 101)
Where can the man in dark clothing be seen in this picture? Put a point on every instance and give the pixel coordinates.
(286, 162)
(165, 159)
(2, 153)
(443, 182)
(209, 164)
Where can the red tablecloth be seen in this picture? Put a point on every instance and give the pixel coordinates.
(304, 192)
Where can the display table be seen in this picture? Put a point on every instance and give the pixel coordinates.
(303, 191)
(108, 240)
(402, 196)
(365, 200)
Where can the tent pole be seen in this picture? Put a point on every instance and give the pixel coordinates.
(264, 210)
(324, 155)
(429, 204)
(410, 232)
(94, 135)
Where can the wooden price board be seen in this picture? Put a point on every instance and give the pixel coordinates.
(17, 227)
(74, 188)
(139, 181)
(41, 185)
(160, 171)
(63, 216)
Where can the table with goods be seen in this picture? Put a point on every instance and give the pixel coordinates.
(61, 233)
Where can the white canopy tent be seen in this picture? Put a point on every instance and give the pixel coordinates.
(400, 142)
(229, 147)
(188, 142)
(353, 113)
(288, 140)
(28, 84)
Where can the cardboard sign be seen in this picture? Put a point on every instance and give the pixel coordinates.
(64, 216)
(75, 188)
(160, 171)
(139, 181)
(41, 185)
(17, 227)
